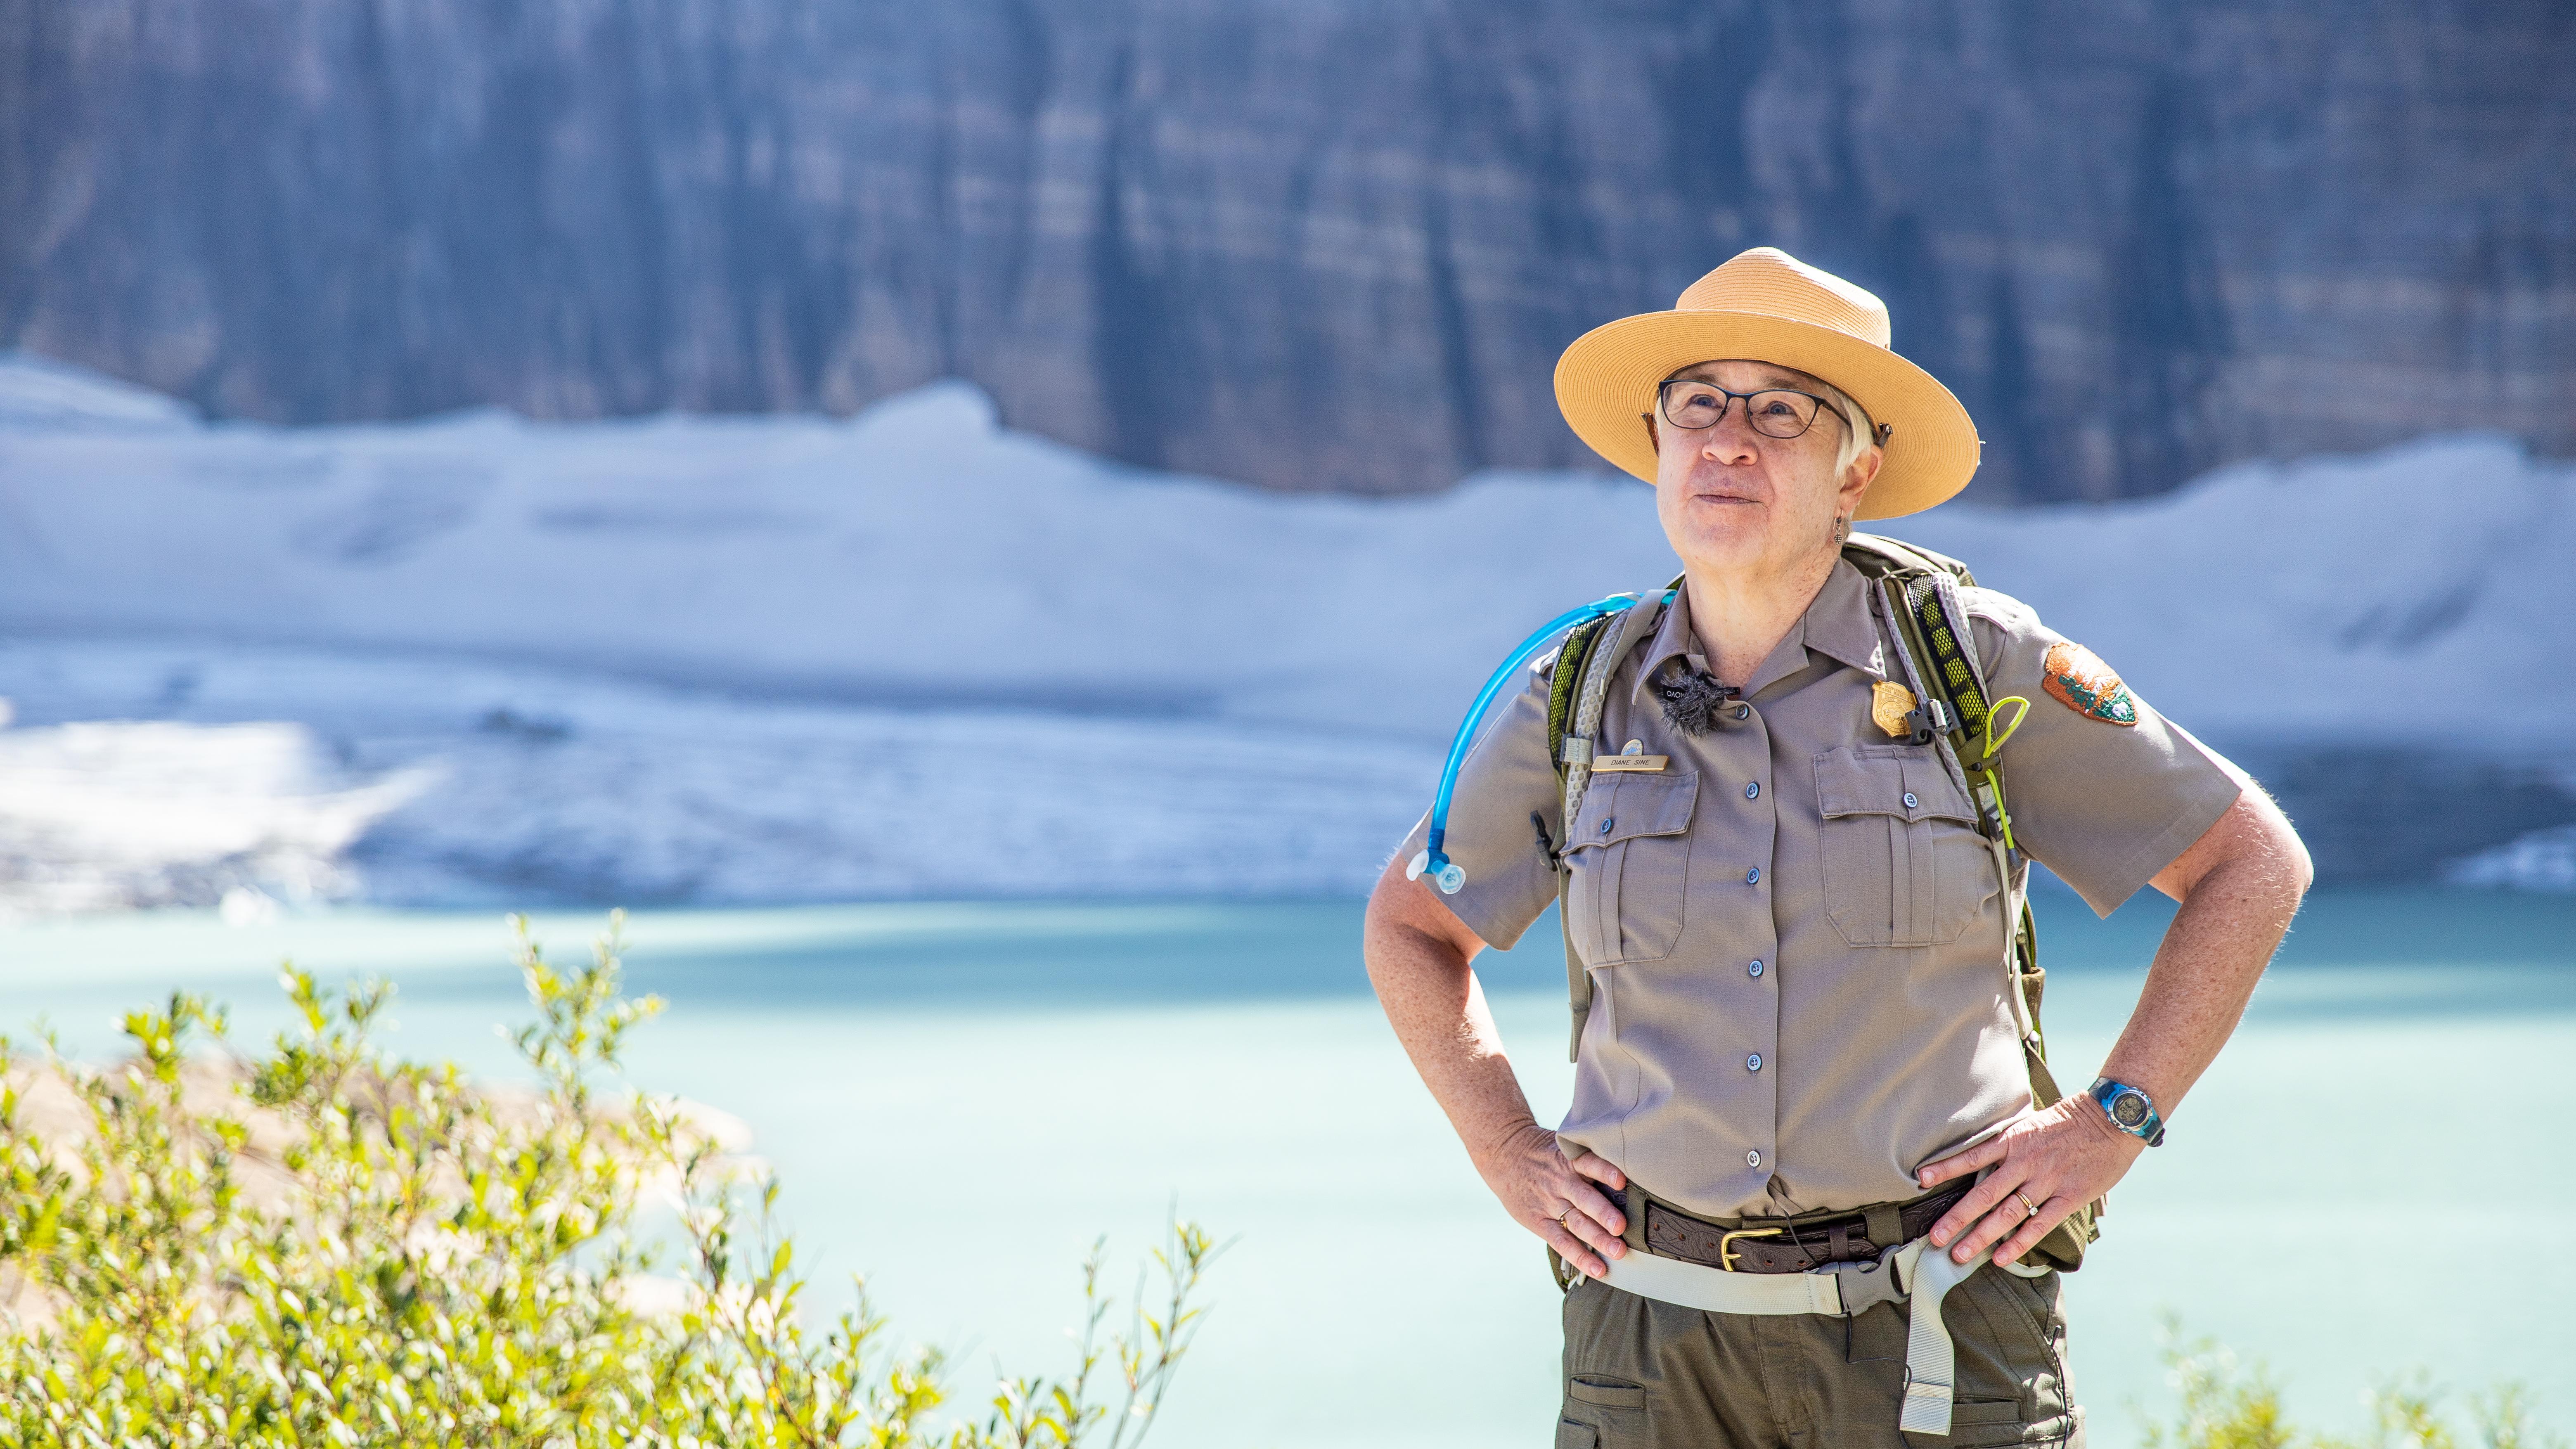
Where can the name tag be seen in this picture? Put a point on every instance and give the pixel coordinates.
(1628, 764)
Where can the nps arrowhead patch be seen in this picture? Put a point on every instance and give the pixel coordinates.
(2077, 678)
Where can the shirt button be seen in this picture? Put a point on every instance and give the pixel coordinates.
(1753, 1063)
(1753, 970)
(1744, 711)
(1910, 801)
(1753, 1159)
(1752, 792)
(1607, 823)
(1753, 876)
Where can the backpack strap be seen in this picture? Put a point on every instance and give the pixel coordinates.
(1918, 597)
(1576, 695)
(1562, 686)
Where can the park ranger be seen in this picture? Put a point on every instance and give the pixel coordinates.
(1811, 1188)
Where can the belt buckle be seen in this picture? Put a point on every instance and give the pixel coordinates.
(1726, 1244)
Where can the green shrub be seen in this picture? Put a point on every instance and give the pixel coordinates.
(321, 1245)
(2226, 1406)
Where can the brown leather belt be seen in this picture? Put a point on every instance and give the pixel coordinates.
(1787, 1245)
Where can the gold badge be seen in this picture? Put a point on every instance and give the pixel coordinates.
(2077, 678)
(1889, 704)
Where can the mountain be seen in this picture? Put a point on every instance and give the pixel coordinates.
(1310, 244)
(917, 653)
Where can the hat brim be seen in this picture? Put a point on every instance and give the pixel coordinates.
(1605, 385)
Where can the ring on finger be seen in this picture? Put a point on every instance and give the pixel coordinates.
(1561, 1217)
(2029, 1208)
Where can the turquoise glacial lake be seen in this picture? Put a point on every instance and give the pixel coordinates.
(2375, 1180)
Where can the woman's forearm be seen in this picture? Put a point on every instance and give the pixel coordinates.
(1419, 956)
(2237, 902)
(1437, 1007)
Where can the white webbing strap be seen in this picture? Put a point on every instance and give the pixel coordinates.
(1931, 1364)
(1916, 1272)
(1713, 1290)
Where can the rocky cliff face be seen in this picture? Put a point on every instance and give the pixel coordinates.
(1305, 243)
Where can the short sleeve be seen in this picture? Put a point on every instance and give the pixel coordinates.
(1507, 777)
(2102, 790)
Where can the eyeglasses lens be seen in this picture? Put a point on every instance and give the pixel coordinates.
(1775, 414)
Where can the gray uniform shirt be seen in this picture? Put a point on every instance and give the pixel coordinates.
(1794, 931)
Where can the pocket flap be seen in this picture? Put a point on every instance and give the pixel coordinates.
(1876, 780)
(1623, 807)
(1986, 1411)
(1607, 1393)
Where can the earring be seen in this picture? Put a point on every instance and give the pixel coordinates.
(1842, 530)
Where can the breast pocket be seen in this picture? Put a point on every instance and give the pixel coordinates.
(1627, 863)
(1903, 864)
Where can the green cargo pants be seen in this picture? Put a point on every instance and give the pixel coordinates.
(1646, 1375)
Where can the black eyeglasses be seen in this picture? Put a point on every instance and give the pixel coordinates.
(1774, 412)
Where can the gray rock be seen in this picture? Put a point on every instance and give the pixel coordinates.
(1305, 243)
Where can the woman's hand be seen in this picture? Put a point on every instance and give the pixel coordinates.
(2053, 1161)
(1552, 1194)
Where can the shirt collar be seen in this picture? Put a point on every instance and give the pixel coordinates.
(1838, 625)
(1839, 622)
(1673, 638)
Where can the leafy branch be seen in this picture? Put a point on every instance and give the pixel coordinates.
(319, 1244)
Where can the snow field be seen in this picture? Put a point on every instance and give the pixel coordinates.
(914, 653)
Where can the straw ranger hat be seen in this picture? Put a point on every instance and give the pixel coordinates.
(1767, 306)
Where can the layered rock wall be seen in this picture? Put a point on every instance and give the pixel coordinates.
(1304, 243)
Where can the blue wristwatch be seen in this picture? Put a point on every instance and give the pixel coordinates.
(2130, 1110)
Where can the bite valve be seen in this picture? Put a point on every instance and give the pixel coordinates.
(1448, 874)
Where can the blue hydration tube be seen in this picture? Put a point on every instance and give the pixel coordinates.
(1447, 873)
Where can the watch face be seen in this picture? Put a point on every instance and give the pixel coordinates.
(2129, 1109)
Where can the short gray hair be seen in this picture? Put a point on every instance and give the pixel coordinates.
(1859, 435)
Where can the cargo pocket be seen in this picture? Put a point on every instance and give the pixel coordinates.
(1571, 1435)
(1627, 862)
(2009, 1334)
(1902, 861)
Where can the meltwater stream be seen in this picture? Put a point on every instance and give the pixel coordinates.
(2375, 1178)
